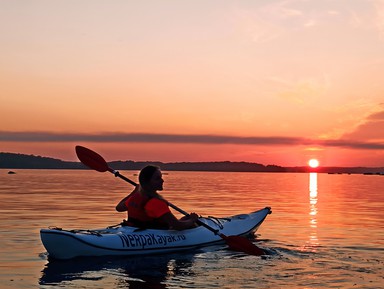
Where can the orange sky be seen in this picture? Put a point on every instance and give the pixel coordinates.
(273, 82)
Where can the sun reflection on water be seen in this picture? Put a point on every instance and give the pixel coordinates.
(313, 240)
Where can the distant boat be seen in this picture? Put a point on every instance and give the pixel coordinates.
(11, 173)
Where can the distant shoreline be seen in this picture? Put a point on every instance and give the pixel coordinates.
(13, 161)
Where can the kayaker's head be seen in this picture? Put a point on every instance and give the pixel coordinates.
(151, 179)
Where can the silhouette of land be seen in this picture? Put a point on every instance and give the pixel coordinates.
(22, 161)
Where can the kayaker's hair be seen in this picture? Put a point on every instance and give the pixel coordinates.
(146, 174)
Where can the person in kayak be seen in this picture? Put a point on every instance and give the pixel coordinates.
(147, 208)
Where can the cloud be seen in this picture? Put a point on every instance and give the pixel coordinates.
(379, 19)
(310, 23)
(7, 136)
(288, 12)
(252, 25)
(333, 12)
(299, 91)
(377, 116)
(372, 128)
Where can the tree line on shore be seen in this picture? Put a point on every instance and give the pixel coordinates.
(23, 161)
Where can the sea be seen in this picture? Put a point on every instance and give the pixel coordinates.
(325, 230)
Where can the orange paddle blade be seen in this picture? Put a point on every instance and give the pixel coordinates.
(241, 244)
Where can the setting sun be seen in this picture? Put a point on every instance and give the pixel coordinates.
(313, 163)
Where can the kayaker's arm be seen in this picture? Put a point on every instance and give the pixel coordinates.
(182, 224)
(121, 207)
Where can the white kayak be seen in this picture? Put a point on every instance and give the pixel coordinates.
(126, 240)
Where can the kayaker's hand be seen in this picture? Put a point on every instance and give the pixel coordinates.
(193, 217)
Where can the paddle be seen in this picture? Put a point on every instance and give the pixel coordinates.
(95, 161)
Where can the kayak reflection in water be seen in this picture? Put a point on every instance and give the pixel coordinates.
(148, 209)
(140, 272)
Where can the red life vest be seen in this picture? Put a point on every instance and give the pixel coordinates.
(137, 215)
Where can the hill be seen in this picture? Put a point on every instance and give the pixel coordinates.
(22, 161)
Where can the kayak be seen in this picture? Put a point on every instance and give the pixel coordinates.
(125, 240)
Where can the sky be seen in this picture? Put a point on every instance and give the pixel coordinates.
(268, 81)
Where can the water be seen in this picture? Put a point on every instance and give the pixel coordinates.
(326, 231)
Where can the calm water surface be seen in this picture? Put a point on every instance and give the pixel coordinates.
(326, 231)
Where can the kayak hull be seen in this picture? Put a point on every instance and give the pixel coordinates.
(126, 240)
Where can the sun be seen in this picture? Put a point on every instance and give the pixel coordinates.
(313, 163)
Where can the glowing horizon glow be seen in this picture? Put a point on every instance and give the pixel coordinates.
(313, 163)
